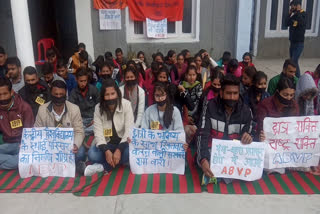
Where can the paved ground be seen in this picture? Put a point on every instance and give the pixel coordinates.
(169, 203)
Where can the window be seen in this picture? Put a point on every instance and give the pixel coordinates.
(186, 30)
(278, 10)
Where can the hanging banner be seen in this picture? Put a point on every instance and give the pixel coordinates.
(109, 4)
(157, 29)
(292, 141)
(231, 159)
(140, 10)
(110, 19)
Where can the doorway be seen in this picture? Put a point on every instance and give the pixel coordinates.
(54, 19)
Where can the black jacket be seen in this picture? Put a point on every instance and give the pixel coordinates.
(30, 97)
(87, 103)
(215, 125)
(297, 26)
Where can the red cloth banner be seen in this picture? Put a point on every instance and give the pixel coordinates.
(156, 10)
(109, 4)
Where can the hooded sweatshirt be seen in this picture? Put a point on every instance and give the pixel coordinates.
(306, 86)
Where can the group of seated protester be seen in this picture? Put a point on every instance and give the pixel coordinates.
(106, 98)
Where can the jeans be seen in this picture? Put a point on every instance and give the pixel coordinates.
(9, 155)
(95, 155)
(81, 154)
(295, 52)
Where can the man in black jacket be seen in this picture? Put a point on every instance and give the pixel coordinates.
(296, 21)
(35, 92)
(226, 117)
(86, 96)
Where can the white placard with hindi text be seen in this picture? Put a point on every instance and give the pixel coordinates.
(47, 152)
(157, 29)
(155, 151)
(292, 141)
(231, 159)
(110, 19)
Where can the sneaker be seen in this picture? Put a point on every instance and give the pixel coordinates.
(80, 167)
(93, 169)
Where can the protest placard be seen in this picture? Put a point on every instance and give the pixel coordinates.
(156, 151)
(110, 19)
(47, 152)
(157, 29)
(292, 141)
(231, 159)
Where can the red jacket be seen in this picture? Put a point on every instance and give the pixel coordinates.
(271, 107)
(20, 111)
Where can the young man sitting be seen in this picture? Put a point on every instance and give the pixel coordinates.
(15, 114)
(62, 113)
(14, 73)
(86, 96)
(69, 79)
(226, 117)
(48, 75)
(35, 92)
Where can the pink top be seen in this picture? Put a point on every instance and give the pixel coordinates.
(172, 76)
(148, 86)
(237, 73)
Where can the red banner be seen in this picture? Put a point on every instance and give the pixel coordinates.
(156, 10)
(109, 4)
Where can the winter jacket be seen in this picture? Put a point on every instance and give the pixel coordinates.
(215, 124)
(70, 119)
(36, 98)
(123, 122)
(297, 26)
(20, 115)
(140, 107)
(273, 83)
(306, 86)
(195, 92)
(86, 103)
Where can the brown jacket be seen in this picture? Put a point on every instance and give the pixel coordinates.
(19, 112)
(70, 119)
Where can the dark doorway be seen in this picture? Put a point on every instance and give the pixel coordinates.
(54, 19)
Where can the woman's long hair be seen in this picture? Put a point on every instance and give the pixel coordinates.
(103, 105)
(168, 112)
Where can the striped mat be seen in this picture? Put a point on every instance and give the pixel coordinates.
(122, 181)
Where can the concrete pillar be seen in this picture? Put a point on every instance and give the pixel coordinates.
(22, 32)
(84, 25)
(243, 29)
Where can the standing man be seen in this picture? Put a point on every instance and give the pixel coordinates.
(296, 21)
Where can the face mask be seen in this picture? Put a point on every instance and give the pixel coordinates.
(105, 76)
(5, 102)
(111, 102)
(259, 90)
(283, 100)
(161, 103)
(230, 103)
(31, 87)
(215, 89)
(131, 83)
(58, 101)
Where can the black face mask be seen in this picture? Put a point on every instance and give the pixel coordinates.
(5, 102)
(259, 90)
(215, 89)
(161, 103)
(283, 100)
(58, 101)
(131, 83)
(230, 103)
(105, 76)
(31, 87)
(111, 102)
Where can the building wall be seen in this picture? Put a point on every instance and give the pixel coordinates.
(6, 25)
(279, 47)
(217, 32)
